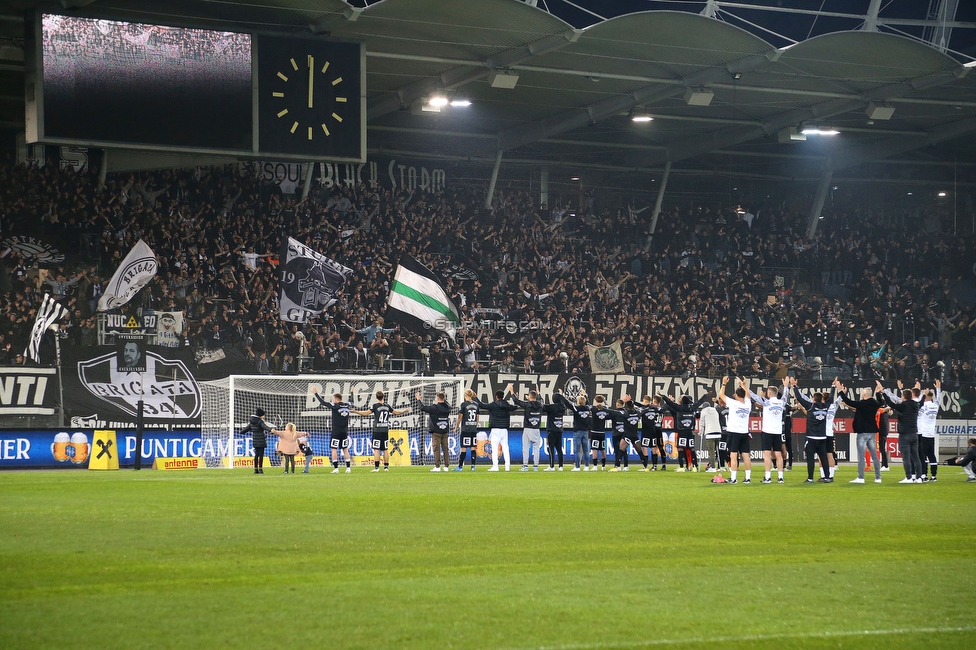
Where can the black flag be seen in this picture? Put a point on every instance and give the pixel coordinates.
(309, 282)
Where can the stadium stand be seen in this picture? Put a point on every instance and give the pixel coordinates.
(709, 294)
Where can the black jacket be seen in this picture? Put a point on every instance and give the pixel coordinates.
(865, 413)
(258, 429)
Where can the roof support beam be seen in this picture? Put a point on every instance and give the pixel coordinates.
(579, 117)
(733, 135)
(870, 24)
(406, 95)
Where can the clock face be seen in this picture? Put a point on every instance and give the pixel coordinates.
(309, 98)
(300, 94)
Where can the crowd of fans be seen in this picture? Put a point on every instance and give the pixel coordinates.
(710, 293)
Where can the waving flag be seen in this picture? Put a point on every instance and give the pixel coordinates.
(309, 282)
(135, 272)
(50, 312)
(418, 301)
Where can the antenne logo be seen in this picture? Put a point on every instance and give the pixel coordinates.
(169, 393)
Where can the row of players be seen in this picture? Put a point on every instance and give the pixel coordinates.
(724, 426)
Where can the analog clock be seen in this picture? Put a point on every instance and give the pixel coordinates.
(309, 98)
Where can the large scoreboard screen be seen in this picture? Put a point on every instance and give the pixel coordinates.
(109, 83)
(149, 84)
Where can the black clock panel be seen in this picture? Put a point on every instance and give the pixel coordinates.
(309, 97)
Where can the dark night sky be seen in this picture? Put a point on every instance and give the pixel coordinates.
(794, 26)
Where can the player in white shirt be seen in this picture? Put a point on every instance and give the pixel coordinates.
(927, 414)
(773, 406)
(737, 424)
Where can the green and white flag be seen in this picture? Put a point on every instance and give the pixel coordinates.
(418, 301)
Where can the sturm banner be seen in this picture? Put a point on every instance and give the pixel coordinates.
(97, 395)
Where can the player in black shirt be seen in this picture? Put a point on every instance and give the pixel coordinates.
(467, 428)
(499, 419)
(581, 428)
(618, 417)
(684, 429)
(439, 414)
(339, 441)
(554, 428)
(599, 417)
(531, 434)
(652, 419)
(382, 416)
(631, 433)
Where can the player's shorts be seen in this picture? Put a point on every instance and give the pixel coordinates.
(739, 443)
(653, 441)
(723, 442)
(339, 441)
(469, 439)
(830, 445)
(632, 438)
(380, 441)
(685, 440)
(598, 441)
(772, 441)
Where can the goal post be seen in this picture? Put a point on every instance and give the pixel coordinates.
(229, 403)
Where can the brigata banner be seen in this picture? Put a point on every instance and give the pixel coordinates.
(28, 391)
(100, 393)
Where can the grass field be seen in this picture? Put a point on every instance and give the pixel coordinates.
(207, 559)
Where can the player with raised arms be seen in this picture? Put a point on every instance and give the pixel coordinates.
(339, 441)
(599, 416)
(652, 430)
(382, 417)
(773, 406)
(467, 428)
(738, 426)
(499, 419)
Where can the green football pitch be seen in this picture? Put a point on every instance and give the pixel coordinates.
(206, 559)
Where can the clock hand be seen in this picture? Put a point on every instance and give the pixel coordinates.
(311, 78)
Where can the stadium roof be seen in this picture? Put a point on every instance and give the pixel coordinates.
(578, 86)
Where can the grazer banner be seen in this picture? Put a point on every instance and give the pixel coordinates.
(99, 393)
(28, 391)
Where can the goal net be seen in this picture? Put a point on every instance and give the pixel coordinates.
(229, 403)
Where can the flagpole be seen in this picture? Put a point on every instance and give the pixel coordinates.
(57, 351)
(140, 410)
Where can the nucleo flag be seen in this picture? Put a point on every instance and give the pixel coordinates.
(309, 282)
(135, 272)
(418, 301)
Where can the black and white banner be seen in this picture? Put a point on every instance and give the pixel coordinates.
(49, 312)
(99, 393)
(135, 272)
(28, 391)
(309, 282)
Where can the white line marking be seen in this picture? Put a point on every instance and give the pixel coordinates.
(754, 637)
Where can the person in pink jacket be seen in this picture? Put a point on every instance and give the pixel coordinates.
(288, 444)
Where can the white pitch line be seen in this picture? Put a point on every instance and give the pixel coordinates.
(752, 637)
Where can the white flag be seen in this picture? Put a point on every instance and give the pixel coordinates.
(49, 312)
(136, 270)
